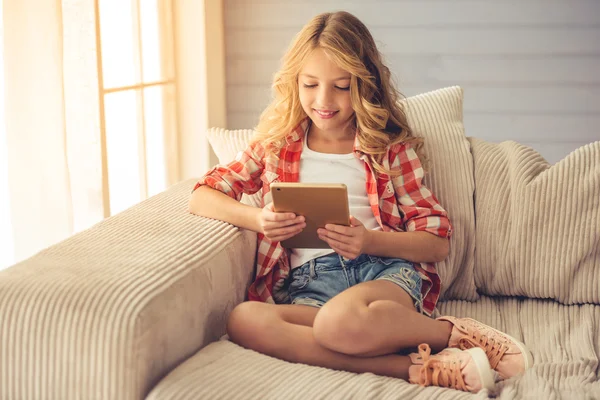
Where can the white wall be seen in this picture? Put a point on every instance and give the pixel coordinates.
(530, 68)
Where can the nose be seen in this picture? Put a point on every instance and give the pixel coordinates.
(324, 96)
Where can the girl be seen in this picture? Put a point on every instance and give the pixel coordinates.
(336, 119)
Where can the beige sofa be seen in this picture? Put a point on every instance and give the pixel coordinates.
(136, 306)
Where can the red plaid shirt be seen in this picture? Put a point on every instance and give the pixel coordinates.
(399, 204)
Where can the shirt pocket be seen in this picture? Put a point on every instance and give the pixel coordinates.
(385, 189)
(388, 205)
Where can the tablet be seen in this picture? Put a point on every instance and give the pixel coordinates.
(319, 203)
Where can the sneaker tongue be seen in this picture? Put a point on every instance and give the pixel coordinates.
(455, 337)
(415, 358)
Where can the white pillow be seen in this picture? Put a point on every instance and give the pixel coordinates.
(227, 144)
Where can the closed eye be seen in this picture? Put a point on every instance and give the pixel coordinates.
(337, 87)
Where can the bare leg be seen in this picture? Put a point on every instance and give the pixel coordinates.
(358, 330)
(265, 328)
(375, 318)
(297, 314)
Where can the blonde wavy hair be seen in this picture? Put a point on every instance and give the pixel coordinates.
(379, 116)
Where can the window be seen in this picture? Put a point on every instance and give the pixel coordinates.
(137, 90)
(119, 121)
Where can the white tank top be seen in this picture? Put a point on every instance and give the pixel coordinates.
(335, 168)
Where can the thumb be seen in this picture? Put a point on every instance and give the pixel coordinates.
(268, 211)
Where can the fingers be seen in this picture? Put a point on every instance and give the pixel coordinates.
(271, 215)
(338, 242)
(286, 230)
(278, 226)
(342, 244)
(343, 249)
(277, 217)
(333, 235)
(277, 235)
(271, 225)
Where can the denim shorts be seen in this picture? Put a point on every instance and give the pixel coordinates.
(317, 281)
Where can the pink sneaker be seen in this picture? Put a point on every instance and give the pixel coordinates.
(467, 370)
(507, 355)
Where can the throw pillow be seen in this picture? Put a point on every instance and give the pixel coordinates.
(538, 226)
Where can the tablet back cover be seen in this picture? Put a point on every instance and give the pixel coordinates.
(320, 204)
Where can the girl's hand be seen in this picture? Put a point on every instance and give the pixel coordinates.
(278, 226)
(348, 241)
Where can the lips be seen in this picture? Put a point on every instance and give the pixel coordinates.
(325, 113)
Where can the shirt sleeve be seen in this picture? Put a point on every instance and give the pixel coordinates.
(242, 175)
(420, 208)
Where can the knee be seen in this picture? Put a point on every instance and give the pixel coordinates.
(341, 328)
(246, 323)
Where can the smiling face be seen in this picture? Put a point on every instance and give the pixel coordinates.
(325, 94)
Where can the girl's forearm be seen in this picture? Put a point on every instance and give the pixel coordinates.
(208, 202)
(412, 246)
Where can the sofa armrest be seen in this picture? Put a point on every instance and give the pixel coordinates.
(108, 312)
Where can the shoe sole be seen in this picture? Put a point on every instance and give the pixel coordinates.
(484, 369)
(524, 350)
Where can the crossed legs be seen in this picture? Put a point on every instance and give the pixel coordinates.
(359, 330)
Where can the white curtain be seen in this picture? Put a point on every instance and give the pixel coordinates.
(54, 174)
(6, 240)
(51, 120)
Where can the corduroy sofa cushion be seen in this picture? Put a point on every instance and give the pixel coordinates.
(538, 226)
